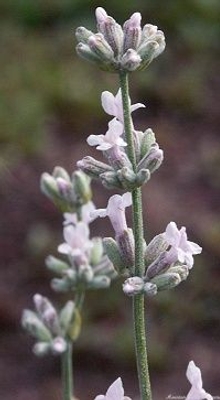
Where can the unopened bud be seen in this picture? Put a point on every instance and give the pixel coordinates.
(182, 270)
(60, 172)
(41, 348)
(61, 285)
(58, 345)
(158, 266)
(156, 246)
(56, 265)
(100, 282)
(83, 34)
(125, 243)
(130, 60)
(166, 281)
(133, 286)
(82, 188)
(35, 326)
(147, 140)
(112, 251)
(110, 180)
(92, 167)
(111, 31)
(84, 51)
(132, 32)
(101, 48)
(152, 160)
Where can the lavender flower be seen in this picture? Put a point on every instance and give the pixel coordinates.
(194, 376)
(181, 250)
(77, 241)
(86, 209)
(116, 212)
(112, 105)
(110, 139)
(114, 392)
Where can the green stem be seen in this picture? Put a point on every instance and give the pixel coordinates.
(67, 373)
(138, 301)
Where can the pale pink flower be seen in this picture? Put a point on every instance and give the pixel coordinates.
(181, 250)
(112, 105)
(114, 392)
(110, 139)
(77, 241)
(86, 209)
(194, 376)
(116, 211)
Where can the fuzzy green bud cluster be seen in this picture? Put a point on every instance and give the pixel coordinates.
(50, 328)
(67, 192)
(114, 48)
(80, 273)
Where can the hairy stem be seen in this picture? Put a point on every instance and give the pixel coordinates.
(67, 373)
(138, 301)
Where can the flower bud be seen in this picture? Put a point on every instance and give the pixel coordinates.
(166, 281)
(93, 167)
(82, 188)
(142, 177)
(61, 285)
(112, 251)
(182, 270)
(105, 267)
(84, 51)
(157, 246)
(100, 282)
(49, 186)
(58, 345)
(101, 48)
(85, 273)
(132, 32)
(56, 265)
(130, 60)
(41, 348)
(158, 266)
(127, 178)
(125, 242)
(147, 140)
(152, 160)
(47, 313)
(35, 326)
(110, 180)
(111, 31)
(83, 34)
(136, 285)
(60, 172)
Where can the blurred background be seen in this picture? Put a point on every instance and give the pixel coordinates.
(49, 104)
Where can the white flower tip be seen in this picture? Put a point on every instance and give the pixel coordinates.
(100, 14)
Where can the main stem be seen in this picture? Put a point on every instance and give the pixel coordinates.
(67, 373)
(138, 301)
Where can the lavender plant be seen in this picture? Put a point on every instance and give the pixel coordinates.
(130, 158)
